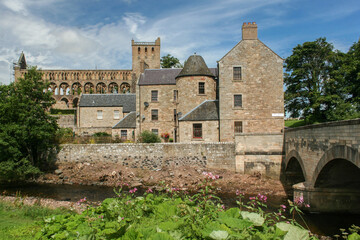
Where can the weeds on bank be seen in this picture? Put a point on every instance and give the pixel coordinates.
(174, 214)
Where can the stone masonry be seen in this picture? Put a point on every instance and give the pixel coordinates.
(153, 156)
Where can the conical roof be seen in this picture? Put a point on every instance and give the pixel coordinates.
(195, 66)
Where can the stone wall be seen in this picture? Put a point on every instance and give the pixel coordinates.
(66, 121)
(88, 118)
(153, 156)
(259, 153)
(210, 131)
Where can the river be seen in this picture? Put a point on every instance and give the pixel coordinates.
(321, 224)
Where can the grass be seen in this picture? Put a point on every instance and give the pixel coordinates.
(18, 221)
(294, 123)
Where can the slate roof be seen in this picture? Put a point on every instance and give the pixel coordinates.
(165, 76)
(129, 121)
(206, 111)
(127, 101)
(195, 66)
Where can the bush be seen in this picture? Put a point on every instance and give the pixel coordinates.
(55, 111)
(101, 134)
(149, 137)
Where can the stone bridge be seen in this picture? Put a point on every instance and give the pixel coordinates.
(322, 165)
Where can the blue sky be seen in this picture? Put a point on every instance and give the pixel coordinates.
(89, 34)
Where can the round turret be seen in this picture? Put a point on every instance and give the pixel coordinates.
(195, 84)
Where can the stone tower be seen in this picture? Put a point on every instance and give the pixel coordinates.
(145, 55)
(20, 66)
(195, 84)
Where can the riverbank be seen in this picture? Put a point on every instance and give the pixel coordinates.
(185, 178)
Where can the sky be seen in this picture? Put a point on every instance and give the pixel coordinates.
(96, 34)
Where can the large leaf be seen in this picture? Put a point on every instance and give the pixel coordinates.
(219, 235)
(291, 232)
(255, 218)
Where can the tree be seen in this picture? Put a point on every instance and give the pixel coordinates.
(27, 131)
(314, 87)
(351, 72)
(169, 61)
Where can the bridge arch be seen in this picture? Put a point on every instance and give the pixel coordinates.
(293, 171)
(339, 156)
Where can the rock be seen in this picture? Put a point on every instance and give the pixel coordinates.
(61, 176)
(58, 171)
(171, 174)
(66, 177)
(136, 184)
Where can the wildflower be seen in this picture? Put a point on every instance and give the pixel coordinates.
(223, 207)
(149, 190)
(252, 198)
(299, 200)
(307, 205)
(283, 208)
(133, 190)
(101, 216)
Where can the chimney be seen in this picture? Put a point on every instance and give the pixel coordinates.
(249, 31)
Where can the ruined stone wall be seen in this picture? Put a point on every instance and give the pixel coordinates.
(153, 156)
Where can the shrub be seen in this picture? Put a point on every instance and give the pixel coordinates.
(55, 111)
(149, 137)
(101, 134)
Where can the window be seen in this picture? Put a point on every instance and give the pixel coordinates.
(238, 100)
(155, 131)
(99, 114)
(154, 114)
(123, 134)
(175, 115)
(238, 127)
(201, 88)
(237, 73)
(197, 130)
(154, 95)
(116, 114)
(175, 95)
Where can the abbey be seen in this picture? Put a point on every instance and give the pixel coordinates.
(239, 101)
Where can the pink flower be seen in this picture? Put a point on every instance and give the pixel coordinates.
(149, 190)
(307, 205)
(133, 190)
(223, 207)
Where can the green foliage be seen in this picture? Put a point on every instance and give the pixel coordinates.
(149, 137)
(56, 111)
(169, 61)
(17, 221)
(101, 134)
(171, 215)
(321, 84)
(27, 131)
(294, 123)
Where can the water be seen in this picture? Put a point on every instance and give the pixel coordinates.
(321, 224)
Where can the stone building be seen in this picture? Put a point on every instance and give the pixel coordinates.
(240, 101)
(68, 85)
